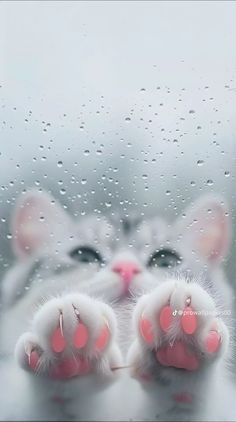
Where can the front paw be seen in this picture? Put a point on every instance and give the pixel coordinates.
(71, 336)
(176, 327)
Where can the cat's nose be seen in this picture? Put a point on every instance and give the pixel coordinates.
(127, 270)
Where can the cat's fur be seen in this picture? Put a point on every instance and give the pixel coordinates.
(46, 280)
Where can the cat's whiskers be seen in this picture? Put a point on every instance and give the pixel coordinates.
(116, 368)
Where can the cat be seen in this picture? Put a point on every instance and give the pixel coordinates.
(116, 318)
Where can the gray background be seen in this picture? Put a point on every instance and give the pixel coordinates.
(148, 88)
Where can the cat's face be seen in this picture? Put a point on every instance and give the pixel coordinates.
(123, 257)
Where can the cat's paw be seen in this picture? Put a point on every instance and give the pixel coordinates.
(71, 336)
(177, 327)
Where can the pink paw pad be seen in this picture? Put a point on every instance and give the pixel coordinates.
(103, 339)
(80, 336)
(213, 341)
(70, 367)
(177, 356)
(189, 320)
(145, 328)
(183, 398)
(58, 343)
(33, 360)
(165, 318)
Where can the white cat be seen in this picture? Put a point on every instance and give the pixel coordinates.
(68, 305)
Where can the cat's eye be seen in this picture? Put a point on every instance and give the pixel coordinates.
(86, 255)
(164, 258)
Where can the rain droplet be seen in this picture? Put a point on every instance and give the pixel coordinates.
(200, 162)
(62, 191)
(83, 181)
(227, 173)
(59, 164)
(209, 182)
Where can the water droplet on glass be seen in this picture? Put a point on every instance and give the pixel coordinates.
(200, 162)
(59, 164)
(227, 173)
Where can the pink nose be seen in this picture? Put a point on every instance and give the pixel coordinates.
(127, 270)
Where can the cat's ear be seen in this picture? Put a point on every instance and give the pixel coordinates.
(205, 228)
(37, 222)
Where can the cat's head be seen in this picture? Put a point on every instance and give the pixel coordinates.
(122, 256)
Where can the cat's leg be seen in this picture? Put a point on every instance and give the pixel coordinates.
(71, 336)
(180, 343)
